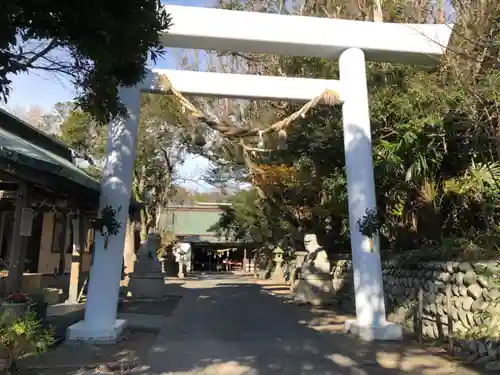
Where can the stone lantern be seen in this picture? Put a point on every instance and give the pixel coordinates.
(147, 280)
(278, 255)
(278, 260)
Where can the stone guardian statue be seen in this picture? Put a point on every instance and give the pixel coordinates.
(315, 285)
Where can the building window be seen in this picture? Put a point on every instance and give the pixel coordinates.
(59, 233)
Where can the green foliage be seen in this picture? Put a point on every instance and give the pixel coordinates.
(161, 145)
(23, 335)
(107, 223)
(369, 225)
(81, 132)
(160, 141)
(188, 197)
(245, 219)
(94, 172)
(96, 44)
(435, 142)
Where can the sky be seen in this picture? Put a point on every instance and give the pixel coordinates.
(51, 89)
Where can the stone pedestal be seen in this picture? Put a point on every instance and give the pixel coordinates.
(296, 271)
(147, 285)
(181, 275)
(316, 289)
(147, 280)
(315, 285)
(170, 265)
(277, 274)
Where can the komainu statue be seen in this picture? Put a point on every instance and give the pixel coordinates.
(315, 284)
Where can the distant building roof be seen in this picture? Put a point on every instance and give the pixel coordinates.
(35, 136)
(192, 221)
(30, 155)
(23, 144)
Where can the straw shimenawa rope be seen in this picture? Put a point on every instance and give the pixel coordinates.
(328, 97)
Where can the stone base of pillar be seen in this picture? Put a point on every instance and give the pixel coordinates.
(80, 332)
(387, 332)
(147, 285)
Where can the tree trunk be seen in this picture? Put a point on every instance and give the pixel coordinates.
(144, 225)
(143, 212)
(129, 256)
(159, 214)
(378, 15)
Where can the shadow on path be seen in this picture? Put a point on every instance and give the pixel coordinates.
(232, 326)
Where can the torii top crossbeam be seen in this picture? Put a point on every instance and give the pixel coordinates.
(227, 30)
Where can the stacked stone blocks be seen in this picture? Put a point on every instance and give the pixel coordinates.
(471, 294)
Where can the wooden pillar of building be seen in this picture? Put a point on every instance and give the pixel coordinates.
(63, 248)
(78, 241)
(17, 251)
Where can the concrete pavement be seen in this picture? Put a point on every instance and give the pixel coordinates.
(229, 325)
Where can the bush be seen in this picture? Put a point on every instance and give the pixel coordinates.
(17, 297)
(23, 335)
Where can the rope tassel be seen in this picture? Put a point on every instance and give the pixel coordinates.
(282, 137)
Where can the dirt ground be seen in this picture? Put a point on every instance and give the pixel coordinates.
(332, 320)
(69, 358)
(258, 329)
(130, 352)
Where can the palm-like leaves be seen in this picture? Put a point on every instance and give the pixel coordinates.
(480, 180)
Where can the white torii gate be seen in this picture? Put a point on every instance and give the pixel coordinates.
(225, 30)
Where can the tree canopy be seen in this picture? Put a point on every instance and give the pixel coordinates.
(98, 44)
(435, 132)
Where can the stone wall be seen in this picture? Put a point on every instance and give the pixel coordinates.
(469, 290)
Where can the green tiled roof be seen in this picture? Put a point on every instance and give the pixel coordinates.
(35, 136)
(19, 150)
(192, 224)
(25, 145)
(195, 222)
